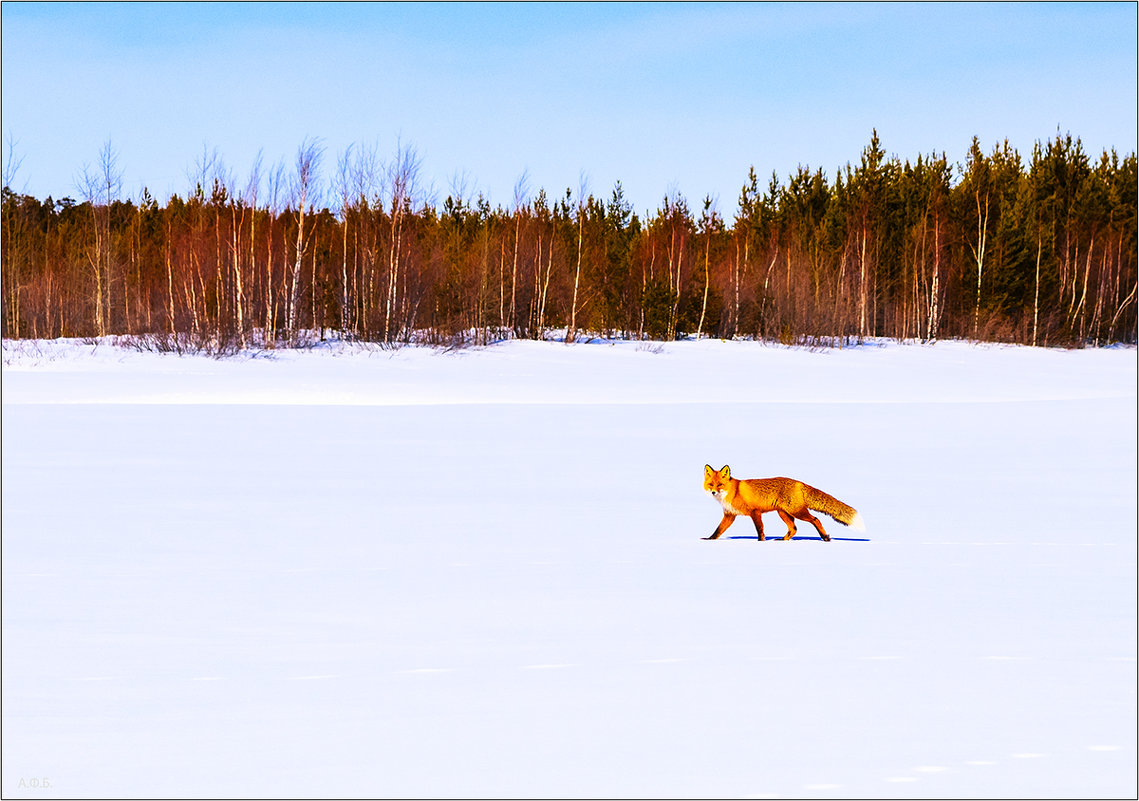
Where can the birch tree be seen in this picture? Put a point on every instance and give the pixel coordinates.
(248, 206)
(403, 185)
(583, 187)
(100, 187)
(521, 197)
(342, 188)
(709, 226)
(678, 224)
(12, 278)
(276, 191)
(304, 191)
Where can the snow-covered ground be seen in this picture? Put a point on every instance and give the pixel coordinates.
(354, 572)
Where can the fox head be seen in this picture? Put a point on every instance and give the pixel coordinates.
(716, 481)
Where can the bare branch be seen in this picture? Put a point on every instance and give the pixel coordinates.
(11, 163)
(522, 190)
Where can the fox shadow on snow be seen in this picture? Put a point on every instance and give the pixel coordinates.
(798, 538)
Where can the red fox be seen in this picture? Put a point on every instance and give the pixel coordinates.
(790, 498)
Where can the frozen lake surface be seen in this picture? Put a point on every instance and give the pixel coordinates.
(351, 572)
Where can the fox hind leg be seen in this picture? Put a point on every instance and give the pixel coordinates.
(790, 521)
(807, 517)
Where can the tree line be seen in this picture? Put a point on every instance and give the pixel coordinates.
(1038, 250)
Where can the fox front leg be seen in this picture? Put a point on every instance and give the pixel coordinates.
(720, 529)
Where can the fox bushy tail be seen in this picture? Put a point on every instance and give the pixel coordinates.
(833, 507)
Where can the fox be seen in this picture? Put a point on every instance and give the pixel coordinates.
(790, 498)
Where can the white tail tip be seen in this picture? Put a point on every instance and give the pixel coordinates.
(857, 523)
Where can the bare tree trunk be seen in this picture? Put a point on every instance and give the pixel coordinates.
(344, 185)
(101, 190)
(1122, 306)
(251, 202)
(707, 281)
(219, 280)
(501, 285)
(935, 290)
(344, 307)
(519, 200)
(546, 288)
(535, 299)
(10, 282)
(736, 299)
(96, 261)
(192, 296)
(275, 181)
(862, 282)
(295, 279)
(979, 256)
(238, 301)
(270, 318)
(308, 162)
(1036, 292)
(169, 281)
(571, 333)
(403, 177)
(316, 304)
(1101, 289)
(766, 283)
(393, 268)
(1081, 308)
(514, 268)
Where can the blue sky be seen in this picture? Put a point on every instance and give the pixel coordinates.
(663, 97)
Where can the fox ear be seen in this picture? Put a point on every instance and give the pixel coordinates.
(725, 473)
(708, 471)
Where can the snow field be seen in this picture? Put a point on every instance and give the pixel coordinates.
(362, 573)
